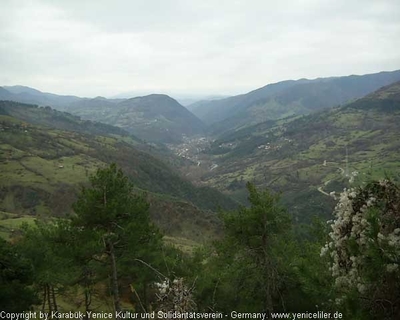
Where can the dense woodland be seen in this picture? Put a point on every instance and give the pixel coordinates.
(110, 256)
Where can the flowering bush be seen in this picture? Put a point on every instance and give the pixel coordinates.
(175, 296)
(364, 246)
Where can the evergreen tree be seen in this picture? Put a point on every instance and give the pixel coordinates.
(45, 245)
(246, 271)
(16, 278)
(120, 219)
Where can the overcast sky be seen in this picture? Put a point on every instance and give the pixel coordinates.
(91, 48)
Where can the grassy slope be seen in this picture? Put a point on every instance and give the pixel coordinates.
(41, 169)
(288, 155)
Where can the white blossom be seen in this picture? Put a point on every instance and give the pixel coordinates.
(392, 267)
(351, 237)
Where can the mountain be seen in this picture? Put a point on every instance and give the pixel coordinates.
(42, 166)
(29, 95)
(47, 117)
(185, 99)
(192, 102)
(309, 156)
(23, 89)
(156, 117)
(217, 110)
(86, 107)
(288, 98)
(5, 95)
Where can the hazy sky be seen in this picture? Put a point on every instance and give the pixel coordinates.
(91, 48)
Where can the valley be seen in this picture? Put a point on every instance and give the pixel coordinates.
(295, 154)
(199, 159)
(299, 155)
(195, 179)
(43, 166)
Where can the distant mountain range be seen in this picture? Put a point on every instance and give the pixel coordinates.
(185, 99)
(154, 118)
(291, 136)
(287, 98)
(305, 156)
(191, 103)
(161, 119)
(29, 95)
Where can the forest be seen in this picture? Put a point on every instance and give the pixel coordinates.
(108, 256)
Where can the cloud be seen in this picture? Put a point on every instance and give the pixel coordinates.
(212, 47)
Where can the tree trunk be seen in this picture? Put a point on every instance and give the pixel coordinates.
(268, 275)
(87, 300)
(48, 297)
(88, 289)
(145, 294)
(268, 302)
(114, 277)
(44, 298)
(53, 295)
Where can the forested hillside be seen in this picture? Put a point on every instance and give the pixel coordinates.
(47, 155)
(155, 118)
(109, 257)
(288, 98)
(307, 157)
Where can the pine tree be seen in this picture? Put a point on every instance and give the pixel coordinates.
(255, 231)
(245, 273)
(119, 217)
(16, 277)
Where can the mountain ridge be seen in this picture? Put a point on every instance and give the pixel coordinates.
(155, 117)
(288, 98)
(305, 156)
